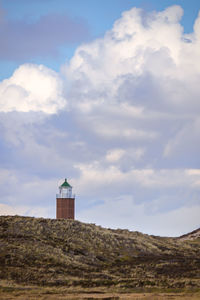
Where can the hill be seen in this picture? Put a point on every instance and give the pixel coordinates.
(70, 253)
(191, 236)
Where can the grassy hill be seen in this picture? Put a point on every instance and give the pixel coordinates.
(70, 253)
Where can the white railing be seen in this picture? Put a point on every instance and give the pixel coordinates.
(65, 195)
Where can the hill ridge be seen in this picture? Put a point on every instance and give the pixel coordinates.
(195, 234)
(70, 253)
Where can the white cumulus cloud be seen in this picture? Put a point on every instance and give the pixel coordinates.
(32, 88)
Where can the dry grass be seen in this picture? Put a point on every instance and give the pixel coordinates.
(70, 254)
(9, 291)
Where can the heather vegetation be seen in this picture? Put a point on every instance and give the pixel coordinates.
(73, 255)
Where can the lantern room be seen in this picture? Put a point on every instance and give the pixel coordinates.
(65, 190)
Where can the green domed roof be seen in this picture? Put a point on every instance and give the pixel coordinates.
(65, 184)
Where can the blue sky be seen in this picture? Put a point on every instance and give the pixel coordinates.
(105, 93)
(96, 16)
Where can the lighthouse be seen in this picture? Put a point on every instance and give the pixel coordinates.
(65, 202)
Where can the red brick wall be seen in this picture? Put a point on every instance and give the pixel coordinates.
(65, 208)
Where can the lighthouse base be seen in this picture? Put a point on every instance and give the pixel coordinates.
(65, 208)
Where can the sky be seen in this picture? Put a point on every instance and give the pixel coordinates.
(107, 95)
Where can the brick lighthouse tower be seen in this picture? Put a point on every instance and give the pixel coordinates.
(65, 202)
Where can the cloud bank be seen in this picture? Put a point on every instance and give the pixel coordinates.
(121, 120)
(41, 37)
